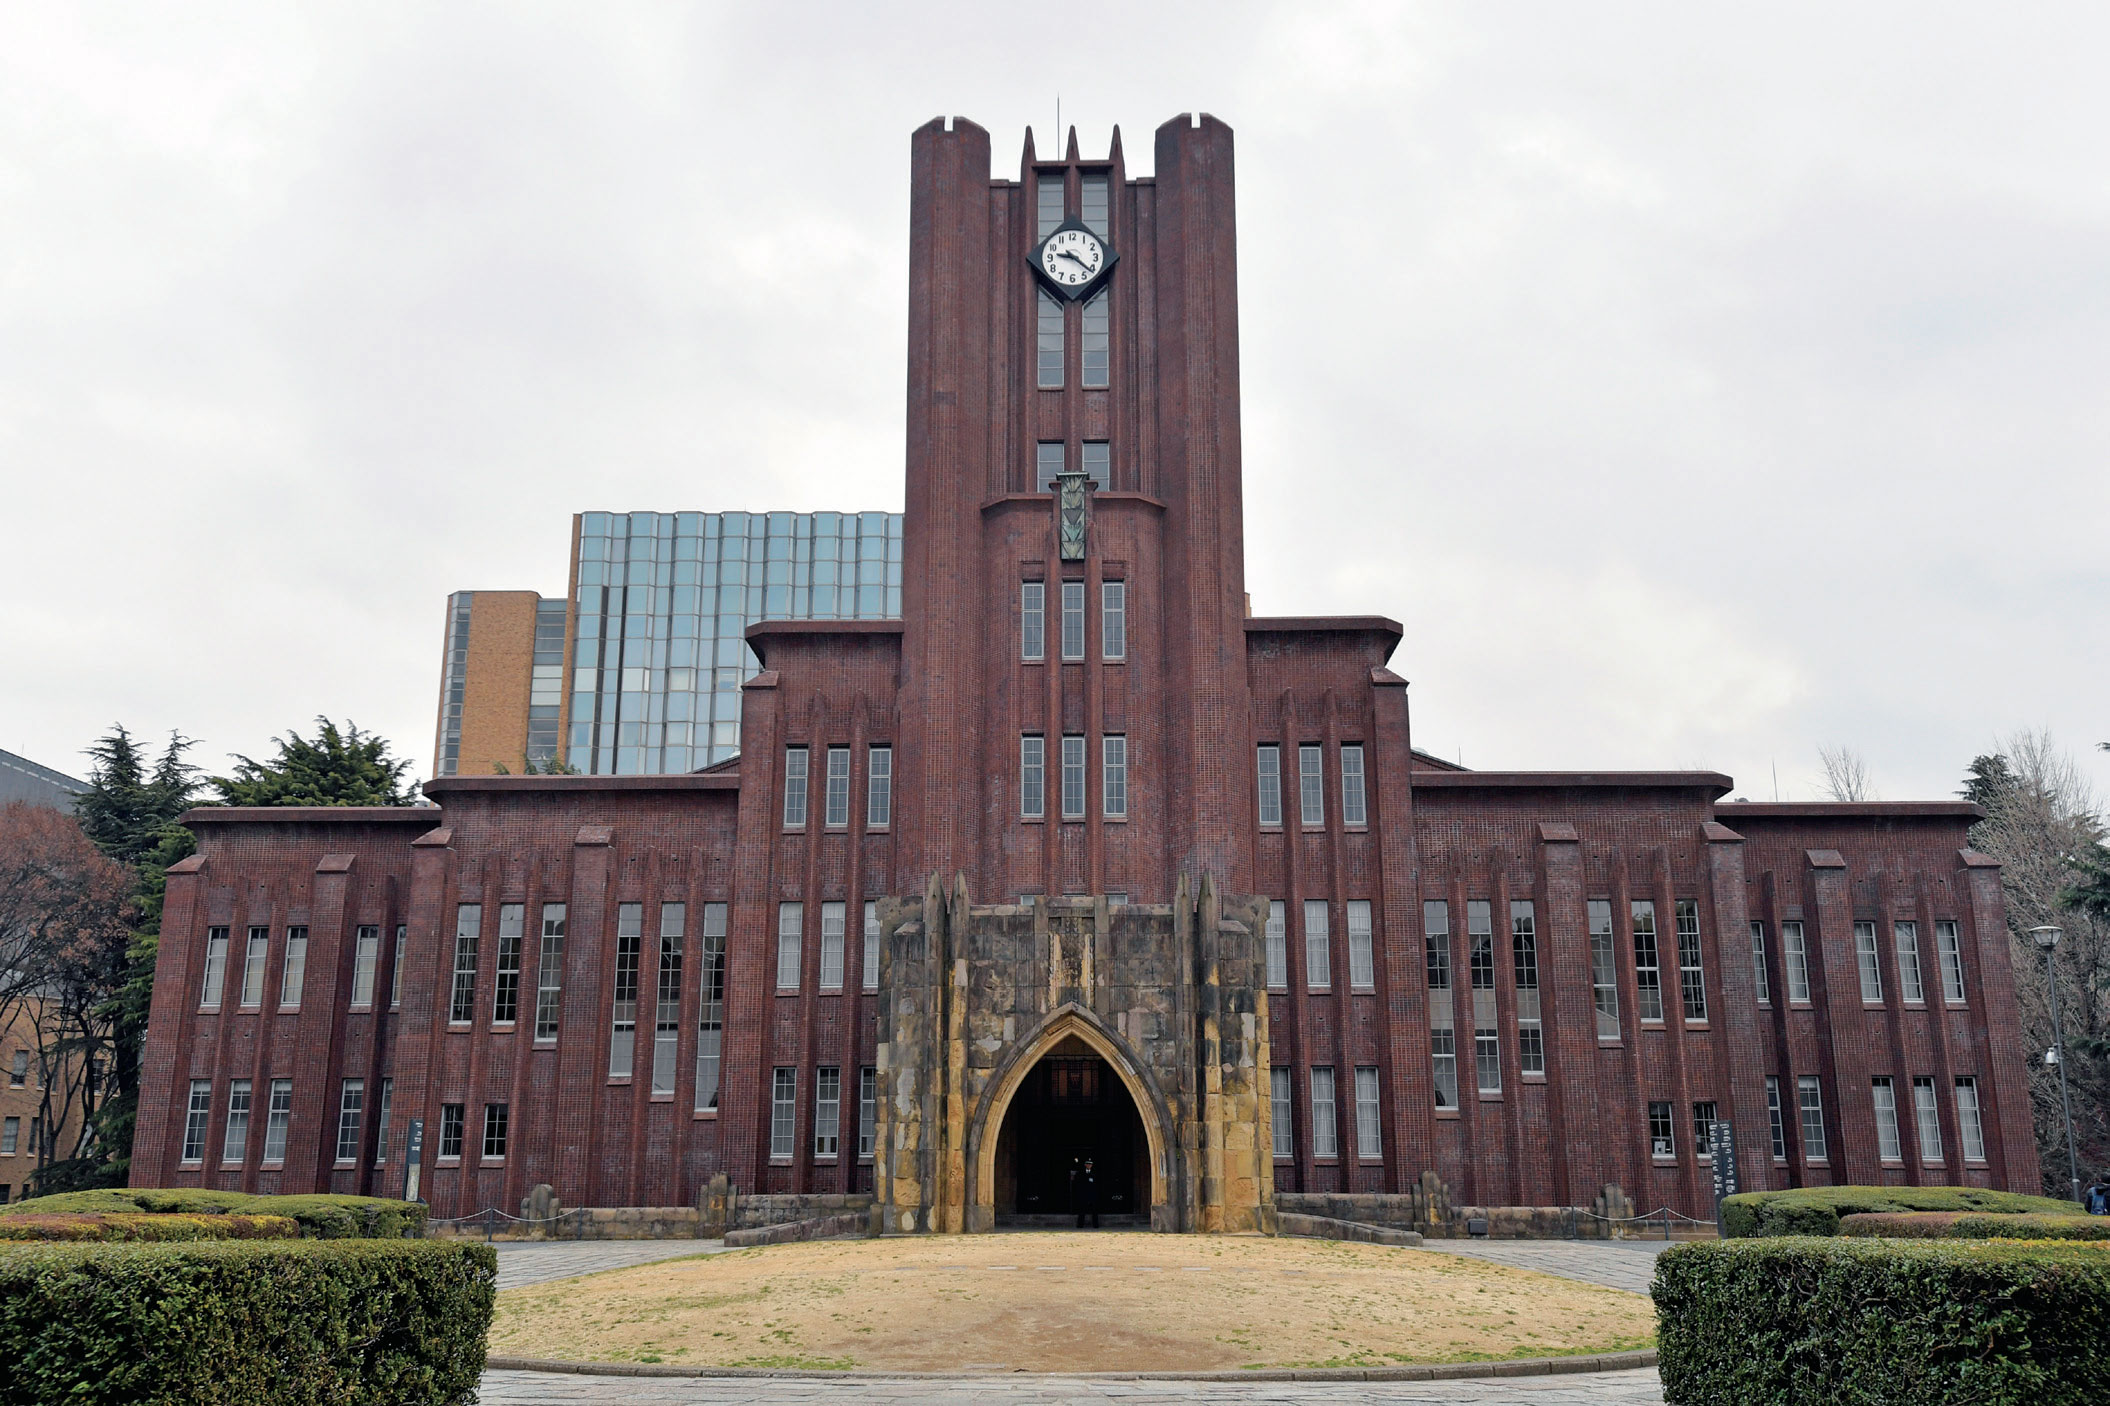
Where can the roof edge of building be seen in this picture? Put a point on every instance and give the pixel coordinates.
(1847, 810)
(340, 815)
(657, 781)
(1567, 780)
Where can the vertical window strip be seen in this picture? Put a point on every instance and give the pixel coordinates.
(451, 1130)
(1480, 943)
(1369, 1144)
(278, 1116)
(1097, 461)
(1048, 336)
(1325, 1137)
(791, 937)
(1927, 1114)
(1524, 961)
(1871, 965)
(834, 921)
(1270, 758)
(1487, 1058)
(497, 1122)
(505, 999)
(1048, 193)
(1969, 1124)
(1113, 620)
(1096, 344)
(1113, 776)
(294, 975)
(1662, 1131)
(234, 1148)
(1648, 971)
(1443, 1049)
(1283, 1130)
(1355, 809)
(1949, 948)
(710, 1015)
(1362, 953)
(1795, 952)
(395, 969)
(1093, 203)
(1776, 1123)
(254, 958)
(210, 991)
(1604, 975)
(1073, 778)
(350, 1104)
(1311, 785)
(366, 957)
(867, 1112)
(381, 1116)
(1436, 966)
(795, 764)
(871, 950)
(666, 1022)
(549, 973)
(1810, 1096)
(1072, 620)
(468, 928)
(827, 1110)
(1692, 977)
(1760, 985)
(1318, 946)
(629, 948)
(1888, 1146)
(1277, 946)
(1032, 620)
(783, 1114)
(837, 814)
(1910, 986)
(879, 788)
(1703, 1130)
(1032, 776)
(195, 1116)
(1050, 457)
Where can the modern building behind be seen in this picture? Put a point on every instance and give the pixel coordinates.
(23, 780)
(637, 670)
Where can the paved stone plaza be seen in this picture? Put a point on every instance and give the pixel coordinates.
(1620, 1265)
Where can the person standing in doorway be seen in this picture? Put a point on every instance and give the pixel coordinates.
(1087, 1196)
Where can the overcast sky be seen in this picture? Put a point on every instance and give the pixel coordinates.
(1699, 385)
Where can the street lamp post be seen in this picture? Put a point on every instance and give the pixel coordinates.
(2047, 937)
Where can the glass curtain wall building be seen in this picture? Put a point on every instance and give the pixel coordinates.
(661, 603)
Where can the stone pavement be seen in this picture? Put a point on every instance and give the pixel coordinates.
(1616, 1264)
(536, 1261)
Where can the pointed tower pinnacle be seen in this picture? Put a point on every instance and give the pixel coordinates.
(1072, 153)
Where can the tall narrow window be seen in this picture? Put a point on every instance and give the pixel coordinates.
(1703, 1121)
(1368, 1144)
(629, 944)
(827, 1110)
(710, 1011)
(236, 1145)
(666, 1021)
(1284, 1132)
(1776, 1124)
(278, 1115)
(834, 920)
(395, 969)
(871, 956)
(1098, 461)
(468, 926)
(1888, 1147)
(837, 813)
(1048, 340)
(1662, 1131)
(1927, 1114)
(1487, 1057)
(1969, 1125)
(215, 969)
(1443, 1052)
(350, 1104)
(1604, 976)
(295, 974)
(1480, 942)
(366, 958)
(253, 962)
(1524, 958)
(549, 973)
(1277, 945)
(1795, 953)
(794, 788)
(1113, 619)
(1760, 985)
(1950, 950)
(1311, 785)
(1092, 205)
(1270, 784)
(381, 1112)
(497, 1126)
(505, 1000)
(879, 788)
(1032, 776)
(195, 1117)
(1050, 457)
(1072, 620)
(1811, 1097)
(1436, 961)
(1648, 971)
(1910, 987)
(1113, 776)
(1480, 965)
(1032, 620)
(1048, 191)
(783, 1114)
(867, 1112)
(1355, 808)
(1097, 344)
(1871, 964)
(451, 1130)
(1325, 1138)
(1318, 946)
(1362, 956)
(1692, 977)
(1073, 778)
(791, 937)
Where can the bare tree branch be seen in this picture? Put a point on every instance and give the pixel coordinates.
(1846, 774)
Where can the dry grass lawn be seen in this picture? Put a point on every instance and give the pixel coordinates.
(1067, 1302)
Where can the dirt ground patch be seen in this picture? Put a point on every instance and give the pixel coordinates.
(1067, 1302)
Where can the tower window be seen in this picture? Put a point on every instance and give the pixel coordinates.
(1270, 784)
(1072, 620)
(1073, 778)
(1355, 809)
(1097, 461)
(879, 788)
(1311, 785)
(1113, 619)
(1113, 786)
(1032, 776)
(1049, 190)
(1094, 203)
(1048, 339)
(1097, 346)
(794, 788)
(1049, 460)
(1032, 619)
(838, 796)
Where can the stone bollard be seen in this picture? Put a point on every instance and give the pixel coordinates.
(716, 1205)
(540, 1209)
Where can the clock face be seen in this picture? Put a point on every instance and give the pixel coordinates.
(1072, 257)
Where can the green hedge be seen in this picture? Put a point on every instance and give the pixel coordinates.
(180, 1226)
(1965, 1225)
(320, 1217)
(235, 1323)
(1811, 1321)
(1815, 1210)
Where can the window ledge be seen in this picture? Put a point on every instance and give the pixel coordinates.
(1446, 1113)
(1699, 1025)
(1607, 1044)
(483, 1162)
(820, 1161)
(446, 1161)
(662, 1098)
(367, 1009)
(1659, 1161)
(624, 1080)
(459, 1025)
(829, 991)
(545, 1043)
(295, 1010)
(1795, 1005)
(1868, 1005)
(1486, 1097)
(1817, 1161)
(344, 1164)
(1532, 1078)
(791, 991)
(711, 1113)
(504, 1027)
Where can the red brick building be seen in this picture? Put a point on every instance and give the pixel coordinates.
(1078, 858)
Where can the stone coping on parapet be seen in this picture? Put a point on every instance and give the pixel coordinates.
(1572, 780)
(574, 784)
(427, 816)
(1417, 1372)
(1851, 810)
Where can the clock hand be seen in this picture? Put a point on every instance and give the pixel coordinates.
(1066, 254)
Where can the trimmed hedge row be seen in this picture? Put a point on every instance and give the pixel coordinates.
(320, 1217)
(284, 1323)
(1963, 1225)
(179, 1226)
(1815, 1210)
(1813, 1321)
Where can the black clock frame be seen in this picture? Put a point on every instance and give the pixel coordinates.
(1091, 285)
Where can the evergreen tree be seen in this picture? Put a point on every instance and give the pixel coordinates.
(334, 768)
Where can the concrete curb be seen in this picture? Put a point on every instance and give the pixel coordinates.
(1428, 1372)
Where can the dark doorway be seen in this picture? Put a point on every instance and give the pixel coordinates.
(1071, 1109)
